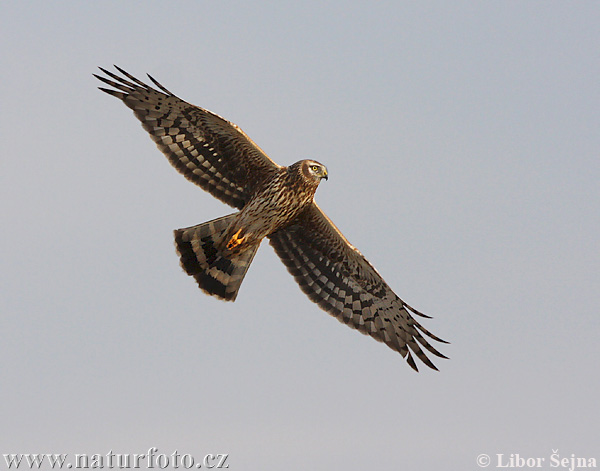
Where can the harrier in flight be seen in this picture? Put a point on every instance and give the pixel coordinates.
(272, 201)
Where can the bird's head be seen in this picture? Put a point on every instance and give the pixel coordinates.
(313, 170)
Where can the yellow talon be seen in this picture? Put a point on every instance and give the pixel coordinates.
(235, 240)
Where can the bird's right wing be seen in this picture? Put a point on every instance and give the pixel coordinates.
(207, 149)
(337, 277)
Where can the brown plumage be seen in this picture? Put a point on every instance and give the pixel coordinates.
(275, 202)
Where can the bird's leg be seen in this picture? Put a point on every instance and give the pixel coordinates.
(236, 240)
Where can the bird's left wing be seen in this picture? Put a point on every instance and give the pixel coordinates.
(207, 149)
(337, 277)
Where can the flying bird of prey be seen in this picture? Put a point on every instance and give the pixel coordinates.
(274, 202)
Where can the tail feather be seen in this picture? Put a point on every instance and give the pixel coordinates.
(200, 257)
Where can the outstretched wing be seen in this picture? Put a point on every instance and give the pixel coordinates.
(207, 149)
(340, 280)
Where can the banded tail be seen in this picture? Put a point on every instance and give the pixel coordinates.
(216, 274)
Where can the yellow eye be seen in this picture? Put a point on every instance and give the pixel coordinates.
(314, 168)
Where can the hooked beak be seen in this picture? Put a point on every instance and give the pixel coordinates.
(324, 174)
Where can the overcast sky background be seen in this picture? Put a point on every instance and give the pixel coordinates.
(463, 145)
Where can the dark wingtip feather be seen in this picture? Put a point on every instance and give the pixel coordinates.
(414, 311)
(155, 82)
(119, 95)
(411, 362)
(429, 334)
(132, 78)
(119, 86)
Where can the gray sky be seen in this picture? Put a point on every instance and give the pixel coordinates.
(462, 141)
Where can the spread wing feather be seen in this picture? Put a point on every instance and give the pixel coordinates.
(337, 277)
(207, 149)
